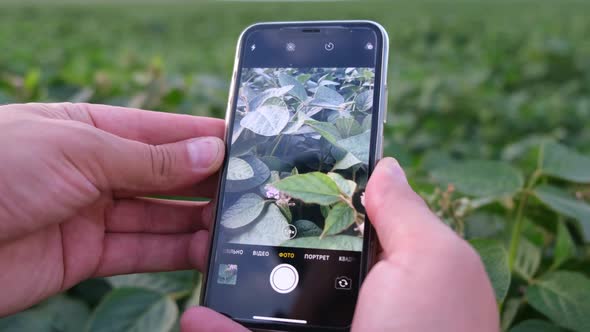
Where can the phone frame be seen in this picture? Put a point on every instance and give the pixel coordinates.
(370, 241)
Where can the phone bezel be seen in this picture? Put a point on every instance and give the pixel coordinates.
(376, 151)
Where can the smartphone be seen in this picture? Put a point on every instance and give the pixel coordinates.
(291, 242)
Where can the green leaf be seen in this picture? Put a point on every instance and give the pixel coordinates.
(268, 230)
(307, 228)
(267, 94)
(364, 100)
(261, 174)
(480, 178)
(565, 248)
(327, 98)
(347, 187)
(239, 169)
(564, 163)
(58, 313)
(244, 211)
(366, 124)
(346, 162)
(495, 259)
(563, 297)
(336, 242)
(341, 217)
(29, 320)
(348, 127)
(267, 120)
(528, 259)
(326, 129)
(566, 204)
(511, 307)
(296, 122)
(175, 282)
(535, 325)
(298, 91)
(315, 187)
(133, 309)
(357, 145)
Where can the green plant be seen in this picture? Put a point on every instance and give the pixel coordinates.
(469, 80)
(538, 229)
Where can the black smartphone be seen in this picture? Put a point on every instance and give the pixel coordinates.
(291, 242)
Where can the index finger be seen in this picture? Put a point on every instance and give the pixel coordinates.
(140, 125)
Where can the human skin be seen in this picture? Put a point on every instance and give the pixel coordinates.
(71, 181)
(427, 278)
(70, 178)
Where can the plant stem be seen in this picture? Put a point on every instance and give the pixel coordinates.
(276, 145)
(517, 229)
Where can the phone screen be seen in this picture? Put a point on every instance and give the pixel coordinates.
(291, 228)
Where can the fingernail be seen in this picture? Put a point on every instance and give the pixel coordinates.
(204, 151)
(395, 169)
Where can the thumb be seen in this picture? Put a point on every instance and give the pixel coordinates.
(394, 209)
(135, 167)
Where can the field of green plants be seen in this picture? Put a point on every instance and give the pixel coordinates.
(489, 112)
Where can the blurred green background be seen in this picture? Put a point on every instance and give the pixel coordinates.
(485, 80)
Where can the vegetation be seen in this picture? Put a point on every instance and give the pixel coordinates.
(489, 108)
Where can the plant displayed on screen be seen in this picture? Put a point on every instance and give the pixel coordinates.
(299, 155)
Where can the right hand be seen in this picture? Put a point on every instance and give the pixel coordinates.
(427, 278)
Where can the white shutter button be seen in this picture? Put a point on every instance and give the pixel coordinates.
(284, 278)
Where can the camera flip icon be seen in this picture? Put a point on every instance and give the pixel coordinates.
(342, 282)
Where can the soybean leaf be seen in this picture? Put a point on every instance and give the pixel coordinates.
(314, 187)
(267, 120)
(327, 98)
(346, 162)
(298, 91)
(195, 297)
(495, 259)
(58, 313)
(357, 145)
(268, 230)
(336, 242)
(133, 309)
(511, 307)
(348, 127)
(535, 325)
(244, 211)
(364, 100)
(267, 94)
(480, 178)
(295, 123)
(261, 174)
(326, 129)
(566, 204)
(239, 169)
(366, 124)
(29, 320)
(565, 248)
(341, 216)
(307, 228)
(563, 297)
(528, 258)
(175, 282)
(564, 163)
(347, 187)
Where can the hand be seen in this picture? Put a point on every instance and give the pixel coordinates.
(427, 278)
(70, 175)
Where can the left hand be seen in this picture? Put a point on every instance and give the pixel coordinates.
(70, 177)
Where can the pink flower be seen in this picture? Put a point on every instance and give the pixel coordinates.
(272, 192)
(281, 198)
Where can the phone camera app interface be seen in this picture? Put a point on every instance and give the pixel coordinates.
(292, 215)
